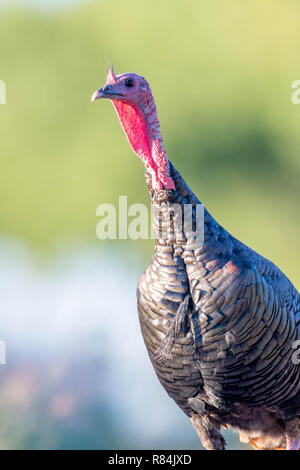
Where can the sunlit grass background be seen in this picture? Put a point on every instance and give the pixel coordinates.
(221, 73)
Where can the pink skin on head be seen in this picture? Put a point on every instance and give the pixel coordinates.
(135, 106)
(111, 78)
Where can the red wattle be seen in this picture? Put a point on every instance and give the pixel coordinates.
(135, 128)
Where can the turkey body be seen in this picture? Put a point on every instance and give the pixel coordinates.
(220, 324)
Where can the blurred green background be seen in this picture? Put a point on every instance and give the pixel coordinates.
(221, 73)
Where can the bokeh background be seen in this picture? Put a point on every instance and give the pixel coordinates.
(77, 373)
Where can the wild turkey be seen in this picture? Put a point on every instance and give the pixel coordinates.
(220, 322)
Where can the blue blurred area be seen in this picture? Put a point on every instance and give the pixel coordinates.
(77, 373)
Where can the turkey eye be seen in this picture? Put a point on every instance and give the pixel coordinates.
(129, 82)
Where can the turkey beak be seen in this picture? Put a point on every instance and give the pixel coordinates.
(97, 95)
(106, 92)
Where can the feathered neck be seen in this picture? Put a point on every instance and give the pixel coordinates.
(141, 125)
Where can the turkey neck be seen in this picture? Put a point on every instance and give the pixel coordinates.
(216, 242)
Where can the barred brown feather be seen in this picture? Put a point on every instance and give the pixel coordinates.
(219, 323)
